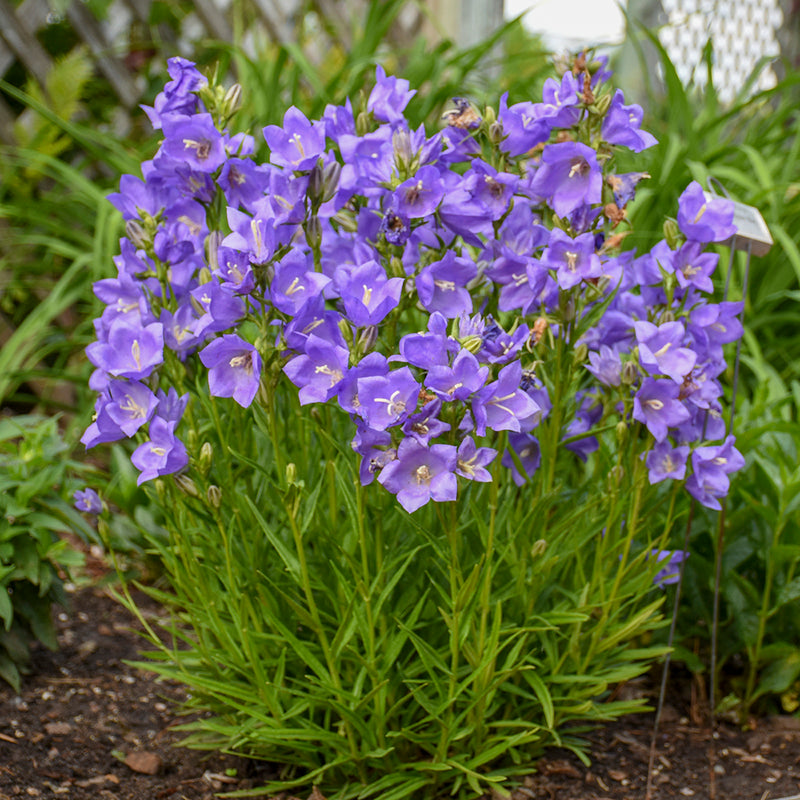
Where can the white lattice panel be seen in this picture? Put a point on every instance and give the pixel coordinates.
(743, 31)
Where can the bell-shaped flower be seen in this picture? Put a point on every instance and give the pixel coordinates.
(660, 349)
(234, 368)
(131, 351)
(441, 286)
(665, 461)
(298, 144)
(502, 404)
(194, 140)
(421, 473)
(573, 259)
(163, 454)
(367, 294)
(704, 219)
(388, 400)
(568, 177)
(389, 97)
(657, 406)
(319, 371)
(622, 125)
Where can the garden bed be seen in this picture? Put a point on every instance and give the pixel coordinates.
(83, 712)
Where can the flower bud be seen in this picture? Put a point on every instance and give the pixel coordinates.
(401, 144)
(363, 122)
(347, 332)
(630, 373)
(489, 116)
(291, 473)
(232, 101)
(472, 343)
(206, 456)
(135, 232)
(568, 309)
(580, 353)
(211, 246)
(313, 229)
(204, 276)
(187, 485)
(667, 315)
(672, 233)
(496, 132)
(621, 432)
(366, 339)
(330, 180)
(538, 548)
(214, 496)
(161, 489)
(315, 183)
(603, 104)
(615, 476)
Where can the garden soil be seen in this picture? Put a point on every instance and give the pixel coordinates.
(87, 725)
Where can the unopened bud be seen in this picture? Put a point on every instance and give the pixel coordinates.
(135, 232)
(401, 144)
(667, 315)
(538, 548)
(214, 496)
(622, 432)
(330, 180)
(363, 122)
(232, 101)
(212, 243)
(602, 104)
(472, 343)
(630, 373)
(187, 485)
(346, 330)
(315, 182)
(161, 489)
(568, 309)
(366, 339)
(204, 276)
(489, 116)
(496, 132)
(291, 473)
(615, 476)
(313, 229)
(672, 233)
(580, 353)
(206, 456)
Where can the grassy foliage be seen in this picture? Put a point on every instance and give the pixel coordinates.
(380, 654)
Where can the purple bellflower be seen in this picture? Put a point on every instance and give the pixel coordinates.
(164, 454)
(88, 501)
(568, 177)
(420, 474)
(656, 404)
(234, 368)
(704, 220)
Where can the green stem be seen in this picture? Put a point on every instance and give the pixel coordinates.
(366, 581)
(450, 528)
(754, 654)
(483, 677)
(320, 631)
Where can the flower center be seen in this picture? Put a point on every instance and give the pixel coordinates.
(423, 475)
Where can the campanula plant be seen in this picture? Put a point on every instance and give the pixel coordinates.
(422, 425)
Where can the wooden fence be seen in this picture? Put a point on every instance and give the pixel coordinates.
(109, 43)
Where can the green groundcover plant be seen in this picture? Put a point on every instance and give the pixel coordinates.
(419, 425)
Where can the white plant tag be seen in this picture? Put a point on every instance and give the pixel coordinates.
(751, 230)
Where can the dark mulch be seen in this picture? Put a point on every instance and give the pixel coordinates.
(88, 726)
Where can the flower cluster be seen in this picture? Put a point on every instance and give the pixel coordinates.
(423, 283)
